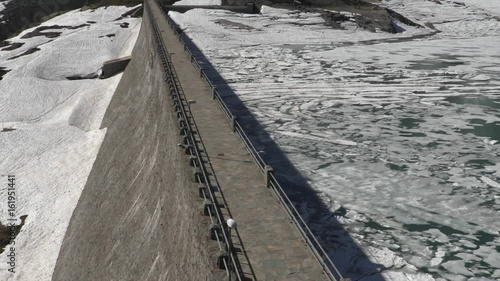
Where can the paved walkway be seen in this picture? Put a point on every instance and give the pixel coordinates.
(273, 245)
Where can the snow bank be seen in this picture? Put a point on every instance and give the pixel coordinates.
(57, 126)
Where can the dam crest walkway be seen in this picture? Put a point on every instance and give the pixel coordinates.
(269, 246)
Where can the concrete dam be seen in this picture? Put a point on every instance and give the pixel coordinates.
(173, 167)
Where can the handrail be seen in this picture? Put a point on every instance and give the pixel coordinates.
(186, 116)
(319, 252)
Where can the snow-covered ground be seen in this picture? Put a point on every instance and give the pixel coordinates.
(57, 126)
(402, 130)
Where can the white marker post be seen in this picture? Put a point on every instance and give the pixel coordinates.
(231, 224)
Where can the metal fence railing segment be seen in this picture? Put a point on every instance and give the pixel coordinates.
(193, 145)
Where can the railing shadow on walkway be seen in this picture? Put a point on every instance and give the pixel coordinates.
(342, 249)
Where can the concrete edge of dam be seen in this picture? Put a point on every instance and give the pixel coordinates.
(138, 216)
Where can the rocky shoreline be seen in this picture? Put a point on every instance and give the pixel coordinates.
(366, 15)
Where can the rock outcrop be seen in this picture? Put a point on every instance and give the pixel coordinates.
(366, 15)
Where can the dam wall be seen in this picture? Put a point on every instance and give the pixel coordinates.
(138, 217)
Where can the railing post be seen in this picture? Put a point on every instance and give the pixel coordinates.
(202, 190)
(201, 72)
(323, 264)
(207, 209)
(233, 123)
(268, 172)
(214, 92)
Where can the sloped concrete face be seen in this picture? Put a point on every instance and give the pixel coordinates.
(138, 217)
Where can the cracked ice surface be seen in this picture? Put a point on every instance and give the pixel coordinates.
(401, 130)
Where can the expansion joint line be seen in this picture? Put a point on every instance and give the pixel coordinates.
(189, 129)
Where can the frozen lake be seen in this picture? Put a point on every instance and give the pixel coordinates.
(401, 130)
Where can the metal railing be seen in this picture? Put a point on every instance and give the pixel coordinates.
(188, 127)
(320, 254)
